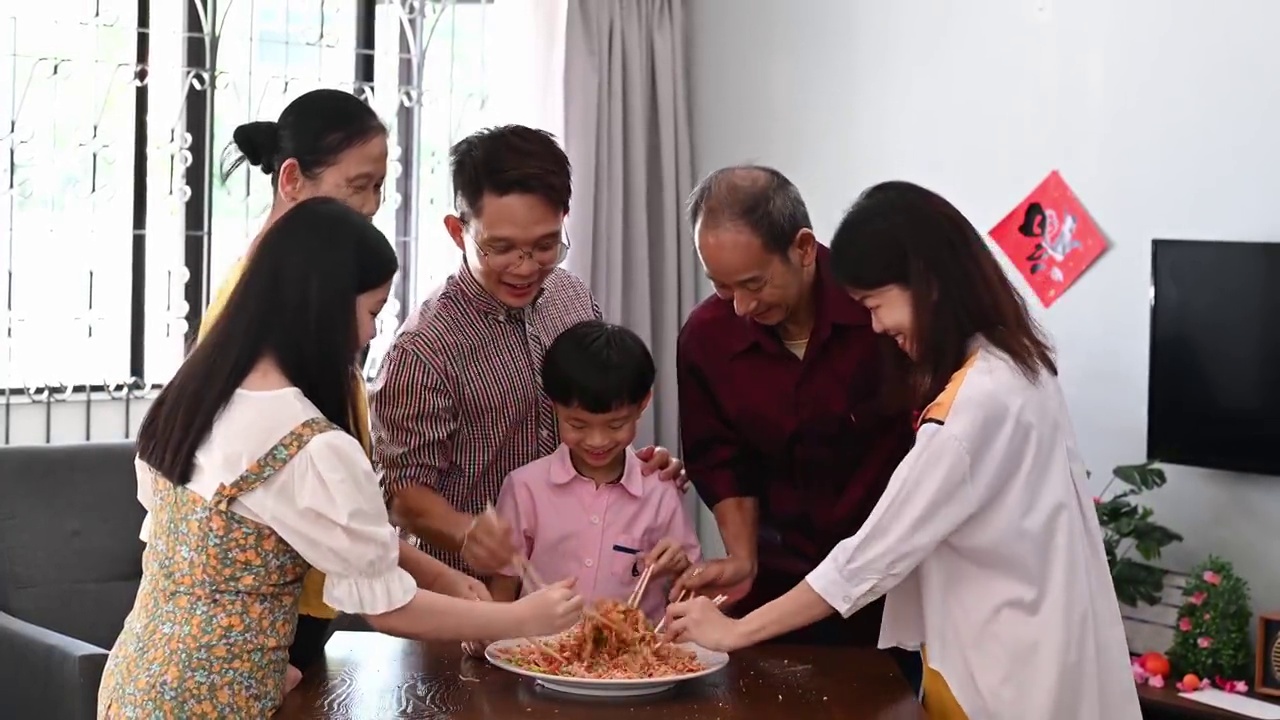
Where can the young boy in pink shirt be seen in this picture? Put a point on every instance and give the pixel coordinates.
(586, 511)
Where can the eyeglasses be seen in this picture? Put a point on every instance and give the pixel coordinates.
(545, 254)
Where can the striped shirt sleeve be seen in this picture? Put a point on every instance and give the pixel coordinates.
(415, 421)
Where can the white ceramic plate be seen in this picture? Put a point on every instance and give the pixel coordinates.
(712, 662)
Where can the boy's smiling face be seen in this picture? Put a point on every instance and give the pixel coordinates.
(597, 441)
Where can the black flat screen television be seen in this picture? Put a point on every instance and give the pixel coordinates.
(1214, 381)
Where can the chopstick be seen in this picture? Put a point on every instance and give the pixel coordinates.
(679, 598)
(527, 573)
(716, 601)
(530, 576)
(638, 593)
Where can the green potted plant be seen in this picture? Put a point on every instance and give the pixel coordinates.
(1212, 638)
(1133, 540)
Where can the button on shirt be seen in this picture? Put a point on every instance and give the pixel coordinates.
(458, 403)
(570, 527)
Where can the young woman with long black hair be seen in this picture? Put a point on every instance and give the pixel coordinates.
(986, 542)
(251, 472)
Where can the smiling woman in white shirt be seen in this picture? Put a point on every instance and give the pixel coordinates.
(251, 475)
(985, 543)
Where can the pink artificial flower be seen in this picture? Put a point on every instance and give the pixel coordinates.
(1156, 681)
(1184, 624)
(1097, 500)
(1233, 686)
(1212, 577)
(1206, 616)
(1205, 641)
(1198, 598)
(1139, 673)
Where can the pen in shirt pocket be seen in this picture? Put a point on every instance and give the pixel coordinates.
(635, 565)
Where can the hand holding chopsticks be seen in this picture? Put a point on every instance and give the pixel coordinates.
(699, 620)
(684, 594)
(532, 580)
(486, 543)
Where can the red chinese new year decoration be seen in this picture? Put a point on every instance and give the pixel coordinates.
(1050, 238)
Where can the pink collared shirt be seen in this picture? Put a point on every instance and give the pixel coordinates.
(571, 527)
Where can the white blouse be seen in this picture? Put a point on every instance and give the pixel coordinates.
(987, 546)
(325, 502)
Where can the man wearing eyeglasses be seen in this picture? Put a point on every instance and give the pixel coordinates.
(458, 403)
(784, 426)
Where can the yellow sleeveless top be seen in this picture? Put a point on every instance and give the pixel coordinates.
(312, 602)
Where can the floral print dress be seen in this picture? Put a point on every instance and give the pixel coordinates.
(209, 632)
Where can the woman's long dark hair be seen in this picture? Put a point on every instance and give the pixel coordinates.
(295, 303)
(898, 233)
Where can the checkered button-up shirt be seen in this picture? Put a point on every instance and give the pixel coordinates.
(458, 403)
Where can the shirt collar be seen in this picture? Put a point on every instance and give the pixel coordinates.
(486, 303)
(832, 307)
(563, 472)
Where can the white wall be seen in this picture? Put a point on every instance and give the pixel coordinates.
(23, 422)
(1162, 114)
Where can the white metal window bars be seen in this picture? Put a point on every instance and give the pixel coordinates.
(114, 232)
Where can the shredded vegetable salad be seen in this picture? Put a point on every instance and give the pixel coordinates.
(615, 642)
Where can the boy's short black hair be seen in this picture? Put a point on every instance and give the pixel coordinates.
(597, 367)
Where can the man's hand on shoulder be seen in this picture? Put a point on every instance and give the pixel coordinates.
(659, 459)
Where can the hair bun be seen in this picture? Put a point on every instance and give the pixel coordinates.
(259, 142)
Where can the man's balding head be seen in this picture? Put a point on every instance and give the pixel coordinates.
(755, 198)
(753, 235)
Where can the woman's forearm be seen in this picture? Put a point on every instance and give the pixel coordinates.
(426, 570)
(431, 616)
(800, 607)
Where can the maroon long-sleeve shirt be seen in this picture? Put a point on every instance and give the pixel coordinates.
(809, 438)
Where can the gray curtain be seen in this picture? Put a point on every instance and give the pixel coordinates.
(627, 135)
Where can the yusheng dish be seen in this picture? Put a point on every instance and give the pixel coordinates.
(613, 642)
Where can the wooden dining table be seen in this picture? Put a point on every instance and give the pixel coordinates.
(370, 676)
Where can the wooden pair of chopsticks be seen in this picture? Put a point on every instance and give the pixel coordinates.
(531, 578)
(527, 573)
(638, 592)
(681, 598)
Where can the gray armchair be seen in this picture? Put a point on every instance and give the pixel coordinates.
(70, 563)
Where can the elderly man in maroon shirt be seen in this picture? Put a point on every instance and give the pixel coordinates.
(787, 430)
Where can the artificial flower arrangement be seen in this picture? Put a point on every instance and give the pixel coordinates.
(1212, 637)
(1153, 667)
